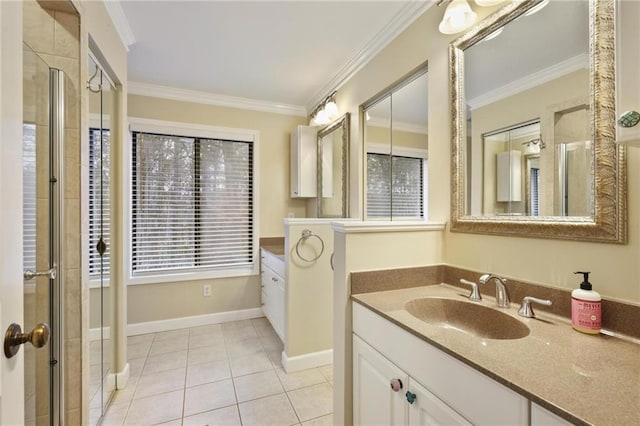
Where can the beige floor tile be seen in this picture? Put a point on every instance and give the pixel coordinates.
(164, 362)
(300, 379)
(155, 409)
(227, 416)
(327, 370)
(177, 422)
(170, 335)
(135, 368)
(250, 364)
(240, 333)
(140, 338)
(206, 340)
(115, 414)
(320, 421)
(272, 411)
(207, 372)
(257, 385)
(276, 358)
(124, 396)
(261, 322)
(202, 355)
(162, 382)
(207, 397)
(239, 348)
(180, 343)
(311, 402)
(138, 350)
(272, 343)
(206, 330)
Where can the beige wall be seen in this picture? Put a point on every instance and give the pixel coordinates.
(403, 139)
(552, 262)
(151, 302)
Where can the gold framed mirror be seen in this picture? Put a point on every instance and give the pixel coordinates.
(333, 177)
(554, 66)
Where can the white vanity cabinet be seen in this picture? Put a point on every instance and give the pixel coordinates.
(447, 390)
(542, 417)
(273, 283)
(384, 394)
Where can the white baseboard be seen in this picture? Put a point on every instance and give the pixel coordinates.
(303, 362)
(194, 321)
(121, 378)
(110, 383)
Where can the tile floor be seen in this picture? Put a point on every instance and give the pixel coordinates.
(223, 374)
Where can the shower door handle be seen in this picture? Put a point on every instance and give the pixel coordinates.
(14, 337)
(51, 273)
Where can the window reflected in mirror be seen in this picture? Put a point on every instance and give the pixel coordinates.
(396, 142)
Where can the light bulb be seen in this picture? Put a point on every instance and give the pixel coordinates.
(322, 117)
(331, 109)
(486, 3)
(458, 17)
(537, 8)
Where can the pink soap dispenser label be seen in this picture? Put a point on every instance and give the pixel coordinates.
(586, 314)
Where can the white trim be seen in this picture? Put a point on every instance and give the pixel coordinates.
(306, 361)
(314, 221)
(195, 274)
(387, 226)
(122, 378)
(120, 22)
(193, 321)
(405, 17)
(110, 383)
(137, 124)
(402, 126)
(532, 80)
(195, 96)
(381, 148)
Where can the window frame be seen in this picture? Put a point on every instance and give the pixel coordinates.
(193, 131)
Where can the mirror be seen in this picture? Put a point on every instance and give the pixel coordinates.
(333, 160)
(534, 124)
(395, 142)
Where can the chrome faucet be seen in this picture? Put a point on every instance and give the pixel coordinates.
(502, 297)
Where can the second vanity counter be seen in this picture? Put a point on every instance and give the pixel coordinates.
(583, 378)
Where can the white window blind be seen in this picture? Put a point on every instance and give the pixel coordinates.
(29, 196)
(395, 186)
(99, 201)
(192, 203)
(534, 196)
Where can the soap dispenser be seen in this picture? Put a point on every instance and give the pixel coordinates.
(586, 307)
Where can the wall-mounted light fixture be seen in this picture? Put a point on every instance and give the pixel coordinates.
(325, 112)
(533, 146)
(458, 15)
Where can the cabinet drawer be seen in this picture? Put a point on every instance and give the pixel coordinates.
(273, 262)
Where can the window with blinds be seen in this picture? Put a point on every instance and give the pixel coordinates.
(534, 196)
(29, 196)
(99, 217)
(395, 186)
(192, 204)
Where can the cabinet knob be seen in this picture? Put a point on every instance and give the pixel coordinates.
(411, 397)
(396, 385)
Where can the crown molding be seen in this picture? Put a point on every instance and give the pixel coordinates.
(120, 22)
(173, 93)
(530, 81)
(405, 17)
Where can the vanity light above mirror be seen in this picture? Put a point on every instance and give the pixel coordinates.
(458, 15)
(533, 136)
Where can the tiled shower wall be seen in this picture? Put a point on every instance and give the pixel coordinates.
(55, 36)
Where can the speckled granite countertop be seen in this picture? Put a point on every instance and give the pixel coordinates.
(583, 378)
(274, 245)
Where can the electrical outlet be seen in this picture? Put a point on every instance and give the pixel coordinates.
(206, 290)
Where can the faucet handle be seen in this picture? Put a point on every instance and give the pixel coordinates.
(474, 296)
(526, 310)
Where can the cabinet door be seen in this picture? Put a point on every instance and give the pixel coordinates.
(427, 410)
(374, 400)
(542, 417)
(277, 305)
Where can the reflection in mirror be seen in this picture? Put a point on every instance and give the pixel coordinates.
(333, 148)
(533, 132)
(395, 140)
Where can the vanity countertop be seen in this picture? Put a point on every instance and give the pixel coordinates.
(275, 249)
(586, 379)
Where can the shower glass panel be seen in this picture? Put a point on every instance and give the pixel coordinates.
(42, 129)
(101, 103)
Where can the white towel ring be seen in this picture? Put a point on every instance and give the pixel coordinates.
(306, 234)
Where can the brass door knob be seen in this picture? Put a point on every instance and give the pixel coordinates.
(14, 337)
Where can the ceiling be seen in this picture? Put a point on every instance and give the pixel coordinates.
(283, 52)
